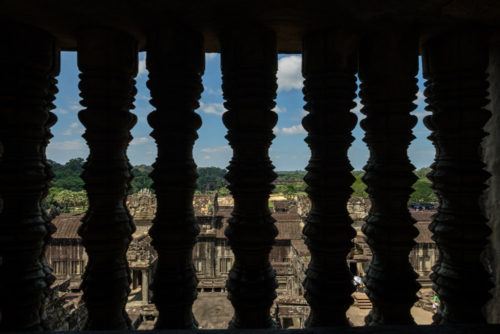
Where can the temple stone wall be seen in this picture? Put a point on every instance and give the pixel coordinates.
(492, 203)
(205, 205)
(422, 258)
(142, 206)
(224, 256)
(358, 207)
(212, 257)
(64, 311)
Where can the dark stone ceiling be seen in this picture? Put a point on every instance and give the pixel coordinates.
(289, 18)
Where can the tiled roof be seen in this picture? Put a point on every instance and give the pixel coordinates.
(288, 225)
(67, 225)
(288, 230)
(280, 204)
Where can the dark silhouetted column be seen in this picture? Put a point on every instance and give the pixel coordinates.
(249, 64)
(30, 61)
(108, 62)
(329, 67)
(456, 89)
(388, 64)
(175, 61)
(50, 97)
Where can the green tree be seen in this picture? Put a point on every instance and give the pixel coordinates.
(67, 176)
(210, 178)
(359, 187)
(423, 192)
(422, 172)
(71, 200)
(224, 191)
(290, 191)
(50, 199)
(279, 189)
(141, 178)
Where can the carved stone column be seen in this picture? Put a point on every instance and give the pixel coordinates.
(388, 64)
(456, 89)
(329, 67)
(249, 64)
(175, 61)
(51, 229)
(108, 62)
(29, 64)
(145, 286)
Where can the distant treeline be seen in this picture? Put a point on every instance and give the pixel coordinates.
(67, 177)
(211, 179)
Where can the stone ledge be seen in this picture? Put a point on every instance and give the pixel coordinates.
(430, 329)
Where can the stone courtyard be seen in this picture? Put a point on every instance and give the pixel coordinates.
(213, 259)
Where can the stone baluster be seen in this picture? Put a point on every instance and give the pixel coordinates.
(456, 89)
(51, 229)
(249, 64)
(329, 67)
(388, 64)
(108, 62)
(175, 61)
(30, 63)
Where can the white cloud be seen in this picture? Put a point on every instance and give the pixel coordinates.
(74, 105)
(293, 130)
(215, 149)
(289, 73)
(72, 128)
(357, 109)
(420, 98)
(67, 149)
(210, 56)
(142, 67)
(299, 115)
(420, 102)
(61, 111)
(139, 141)
(207, 157)
(212, 108)
(67, 145)
(422, 114)
(212, 91)
(143, 97)
(278, 110)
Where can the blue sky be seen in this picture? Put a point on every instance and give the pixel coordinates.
(288, 151)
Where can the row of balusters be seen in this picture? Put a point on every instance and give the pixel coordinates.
(386, 59)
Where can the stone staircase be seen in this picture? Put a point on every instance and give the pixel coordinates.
(362, 301)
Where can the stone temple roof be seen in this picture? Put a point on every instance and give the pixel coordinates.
(67, 225)
(288, 229)
(288, 225)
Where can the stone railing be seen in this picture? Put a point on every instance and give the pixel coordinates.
(337, 40)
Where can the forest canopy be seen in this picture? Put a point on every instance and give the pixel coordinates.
(67, 186)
